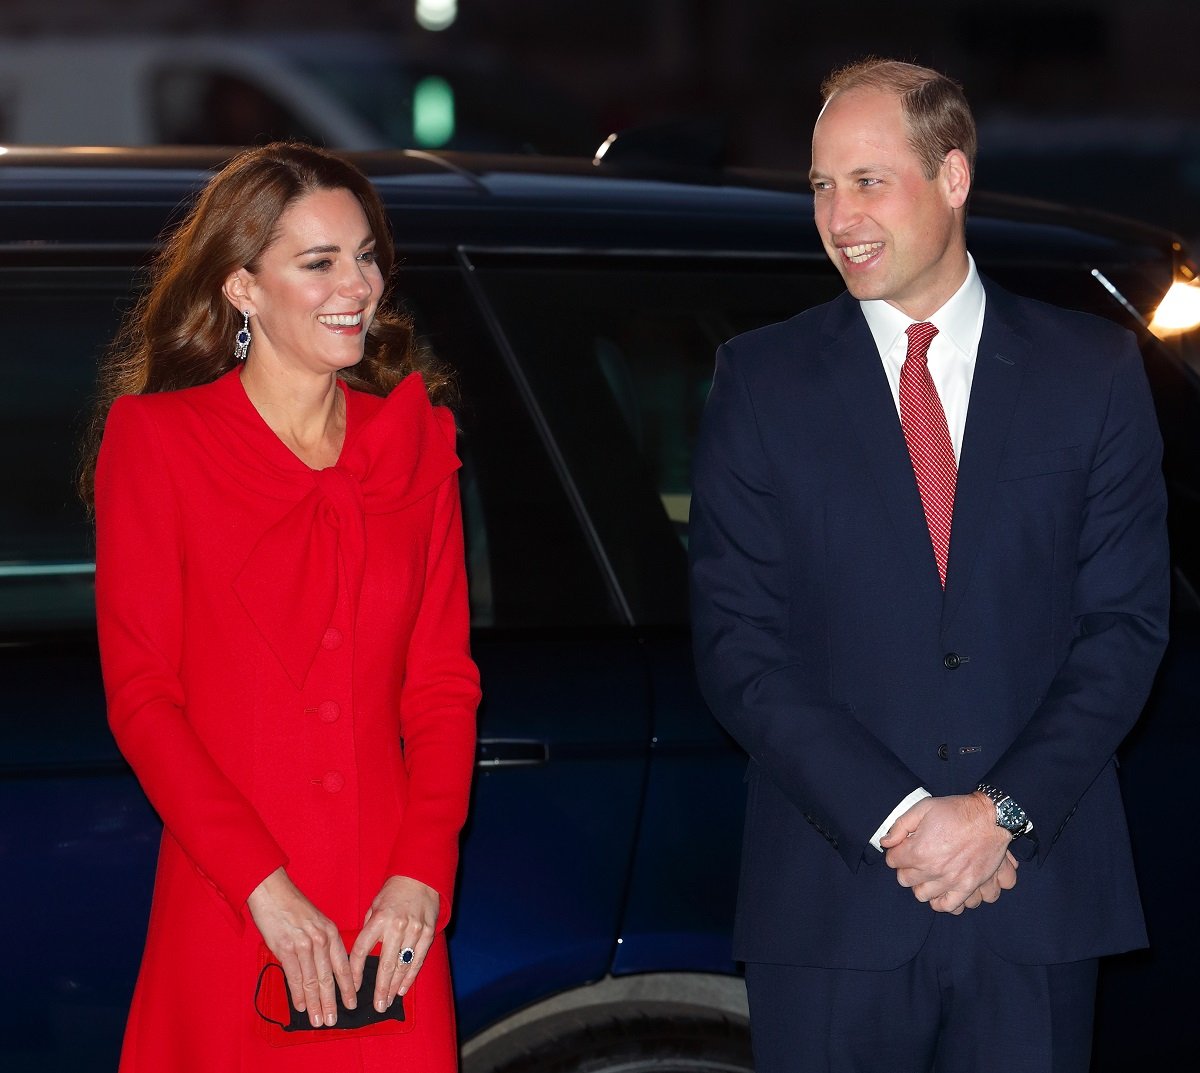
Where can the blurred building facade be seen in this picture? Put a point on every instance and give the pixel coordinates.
(1080, 78)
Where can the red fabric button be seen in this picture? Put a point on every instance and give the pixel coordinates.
(328, 711)
(332, 639)
(332, 781)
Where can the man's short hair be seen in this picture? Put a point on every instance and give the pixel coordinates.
(938, 116)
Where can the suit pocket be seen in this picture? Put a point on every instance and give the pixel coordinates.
(1041, 463)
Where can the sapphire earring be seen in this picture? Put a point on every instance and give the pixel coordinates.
(242, 339)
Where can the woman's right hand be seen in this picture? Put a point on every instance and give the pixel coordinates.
(307, 944)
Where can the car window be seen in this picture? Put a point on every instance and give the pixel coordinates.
(199, 105)
(620, 355)
(1171, 368)
(528, 561)
(55, 326)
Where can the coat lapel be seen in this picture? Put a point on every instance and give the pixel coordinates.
(999, 368)
(852, 361)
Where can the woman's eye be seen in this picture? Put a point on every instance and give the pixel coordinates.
(367, 257)
(319, 266)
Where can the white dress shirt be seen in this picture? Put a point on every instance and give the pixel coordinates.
(951, 354)
(952, 367)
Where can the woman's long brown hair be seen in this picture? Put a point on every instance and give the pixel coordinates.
(180, 333)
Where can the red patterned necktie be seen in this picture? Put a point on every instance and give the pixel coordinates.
(928, 439)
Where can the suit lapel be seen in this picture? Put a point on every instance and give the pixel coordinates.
(854, 367)
(999, 368)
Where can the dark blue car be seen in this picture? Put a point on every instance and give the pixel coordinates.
(581, 306)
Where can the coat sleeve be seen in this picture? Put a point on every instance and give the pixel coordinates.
(1119, 607)
(764, 691)
(140, 621)
(437, 711)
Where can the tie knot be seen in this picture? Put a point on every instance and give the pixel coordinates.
(919, 338)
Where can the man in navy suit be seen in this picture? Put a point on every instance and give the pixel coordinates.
(929, 603)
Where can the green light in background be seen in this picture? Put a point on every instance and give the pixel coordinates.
(433, 112)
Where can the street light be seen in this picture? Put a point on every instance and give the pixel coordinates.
(436, 14)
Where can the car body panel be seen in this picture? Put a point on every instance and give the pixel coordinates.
(580, 306)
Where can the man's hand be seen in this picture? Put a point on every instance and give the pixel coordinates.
(950, 852)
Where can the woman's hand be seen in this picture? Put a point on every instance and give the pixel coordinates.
(307, 944)
(402, 917)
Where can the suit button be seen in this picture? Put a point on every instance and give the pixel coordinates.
(328, 711)
(332, 781)
(952, 661)
(332, 639)
(943, 752)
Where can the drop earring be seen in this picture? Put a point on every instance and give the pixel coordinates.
(242, 339)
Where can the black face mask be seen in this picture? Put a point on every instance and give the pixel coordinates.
(363, 1015)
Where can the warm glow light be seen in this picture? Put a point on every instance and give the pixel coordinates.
(436, 14)
(1179, 311)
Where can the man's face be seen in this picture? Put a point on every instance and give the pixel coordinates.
(892, 233)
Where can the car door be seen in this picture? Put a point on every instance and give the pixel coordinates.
(618, 348)
(77, 839)
(564, 726)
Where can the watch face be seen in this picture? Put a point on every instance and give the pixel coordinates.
(1010, 815)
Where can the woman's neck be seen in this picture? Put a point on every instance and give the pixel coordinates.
(307, 411)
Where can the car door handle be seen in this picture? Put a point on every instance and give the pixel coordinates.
(510, 752)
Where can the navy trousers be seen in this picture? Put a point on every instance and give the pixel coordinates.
(957, 1007)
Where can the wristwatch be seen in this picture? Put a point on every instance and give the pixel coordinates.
(1009, 814)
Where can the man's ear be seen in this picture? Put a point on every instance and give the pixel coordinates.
(236, 289)
(956, 175)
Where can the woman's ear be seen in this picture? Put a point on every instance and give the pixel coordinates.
(236, 289)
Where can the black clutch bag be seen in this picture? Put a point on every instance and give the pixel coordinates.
(282, 1024)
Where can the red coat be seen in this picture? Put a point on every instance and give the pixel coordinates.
(285, 654)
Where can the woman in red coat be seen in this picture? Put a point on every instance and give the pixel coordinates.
(282, 611)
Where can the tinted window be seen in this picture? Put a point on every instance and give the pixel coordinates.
(528, 561)
(1171, 370)
(196, 105)
(620, 355)
(530, 564)
(55, 325)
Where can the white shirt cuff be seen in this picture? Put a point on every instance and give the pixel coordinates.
(918, 794)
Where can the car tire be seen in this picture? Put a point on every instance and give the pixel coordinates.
(639, 1043)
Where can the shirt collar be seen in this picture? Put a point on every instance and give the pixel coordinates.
(958, 319)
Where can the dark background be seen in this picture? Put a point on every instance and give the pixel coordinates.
(1091, 102)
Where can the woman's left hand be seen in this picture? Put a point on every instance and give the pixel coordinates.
(402, 917)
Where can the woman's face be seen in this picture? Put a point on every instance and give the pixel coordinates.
(316, 287)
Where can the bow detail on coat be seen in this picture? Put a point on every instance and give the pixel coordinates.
(289, 583)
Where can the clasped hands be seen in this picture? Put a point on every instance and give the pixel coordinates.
(315, 961)
(950, 853)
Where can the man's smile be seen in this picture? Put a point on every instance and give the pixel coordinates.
(862, 252)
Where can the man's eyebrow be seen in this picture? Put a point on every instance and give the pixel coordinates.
(873, 169)
(856, 173)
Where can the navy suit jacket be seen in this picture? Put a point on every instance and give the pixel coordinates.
(825, 644)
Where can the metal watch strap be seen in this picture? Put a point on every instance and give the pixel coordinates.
(1009, 814)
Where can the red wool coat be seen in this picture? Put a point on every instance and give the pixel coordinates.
(285, 655)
